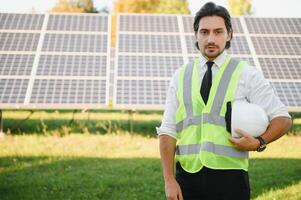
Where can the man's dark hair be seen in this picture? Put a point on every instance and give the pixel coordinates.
(211, 9)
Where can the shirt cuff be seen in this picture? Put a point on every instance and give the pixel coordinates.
(165, 131)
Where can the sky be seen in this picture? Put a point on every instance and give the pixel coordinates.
(260, 8)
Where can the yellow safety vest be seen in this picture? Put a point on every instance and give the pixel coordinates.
(202, 138)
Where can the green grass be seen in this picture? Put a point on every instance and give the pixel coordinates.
(95, 122)
(123, 166)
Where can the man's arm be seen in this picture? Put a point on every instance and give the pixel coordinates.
(277, 128)
(167, 153)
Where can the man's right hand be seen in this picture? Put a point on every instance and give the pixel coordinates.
(173, 190)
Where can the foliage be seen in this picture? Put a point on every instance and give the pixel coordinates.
(152, 6)
(74, 6)
(240, 7)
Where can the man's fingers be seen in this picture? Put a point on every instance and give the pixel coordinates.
(180, 196)
(241, 132)
(234, 140)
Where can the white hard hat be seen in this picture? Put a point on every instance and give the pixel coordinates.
(248, 117)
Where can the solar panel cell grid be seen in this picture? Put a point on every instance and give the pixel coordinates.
(75, 43)
(69, 65)
(16, 64)
(19, 41)
(289, 93)
(281, 68)
(21, 21)
(273, 25)
(56, 91)
(239, 45)
(277, 45)
(13, 90)
(148, 66)
(147, 23)
(93, 23)
(150, 43)
(144, 92)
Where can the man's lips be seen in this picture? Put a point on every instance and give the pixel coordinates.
(211, 47)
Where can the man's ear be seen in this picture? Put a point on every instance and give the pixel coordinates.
(230, 35)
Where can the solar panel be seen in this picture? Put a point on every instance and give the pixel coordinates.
(148, 23)
(75, 43)
(149, 50)
(148, 66)
(63, 60)
(272, 45)
(12, 91)
(141, 93)
(273, 25)
(16, 64)
(60, 61)
(188, 24)
(281, 68)
(149, 43)
(289, 93)
(72, 65)
(259, 42)
(19, 41)
(21, 21)
(68, 91)
(74, 22)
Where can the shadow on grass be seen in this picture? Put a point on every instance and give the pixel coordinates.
(110, 179)
(144, 128)
(80, 178)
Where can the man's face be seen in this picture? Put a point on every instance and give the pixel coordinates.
(212, 36)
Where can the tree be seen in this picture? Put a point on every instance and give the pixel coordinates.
(240, 7)
(173, 7)
(75, 6)
(152, 6)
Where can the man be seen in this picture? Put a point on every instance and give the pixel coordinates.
(210, 164)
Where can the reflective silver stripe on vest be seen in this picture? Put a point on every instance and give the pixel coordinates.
(223, 86)
(187, 89)
(212, 117)
(207, 118)
(188, 149)
(211, 147)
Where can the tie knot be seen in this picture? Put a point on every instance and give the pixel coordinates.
(209, 64)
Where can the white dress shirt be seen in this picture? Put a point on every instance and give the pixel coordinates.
(252, 86)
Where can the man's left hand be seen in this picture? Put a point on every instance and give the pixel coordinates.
(246, 142)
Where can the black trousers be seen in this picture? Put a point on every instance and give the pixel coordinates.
(212, 184)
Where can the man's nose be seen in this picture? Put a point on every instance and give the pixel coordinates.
(211, 38)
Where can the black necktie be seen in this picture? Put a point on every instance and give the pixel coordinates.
(207, 82)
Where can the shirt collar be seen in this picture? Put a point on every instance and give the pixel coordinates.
(218, 61)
